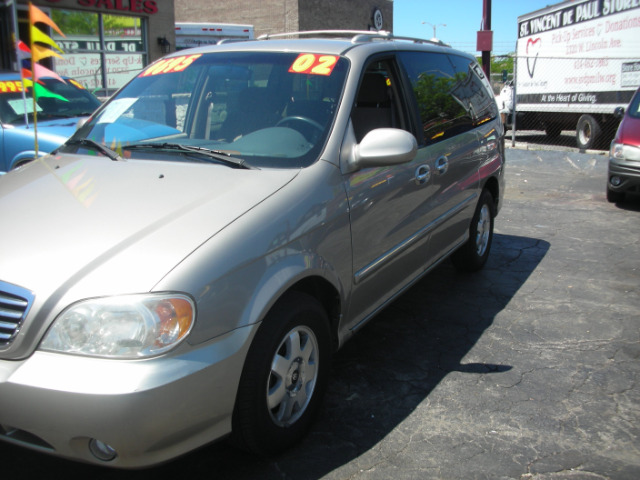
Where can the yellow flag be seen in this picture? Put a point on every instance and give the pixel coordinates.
(38, 36)
(38, 53)
(37, 15)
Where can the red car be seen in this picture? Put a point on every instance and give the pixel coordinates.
(624, 156)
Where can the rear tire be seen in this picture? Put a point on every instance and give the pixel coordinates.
(284, 377)
(472, 256)
(588, 132)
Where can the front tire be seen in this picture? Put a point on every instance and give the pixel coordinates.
(472, 256)
(284, 377)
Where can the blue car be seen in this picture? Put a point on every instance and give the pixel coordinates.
(56, 119)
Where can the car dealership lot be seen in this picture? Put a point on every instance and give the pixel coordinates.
(526, 370)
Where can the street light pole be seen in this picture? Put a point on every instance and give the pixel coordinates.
(434, 28)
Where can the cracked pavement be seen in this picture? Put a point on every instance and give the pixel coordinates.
(528, 370)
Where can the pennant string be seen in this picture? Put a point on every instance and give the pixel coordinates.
(30, 78)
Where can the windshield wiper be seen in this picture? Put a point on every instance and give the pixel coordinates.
(217, 155)
(92, 144)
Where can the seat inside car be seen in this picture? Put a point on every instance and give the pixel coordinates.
(255, 108)
(373, 105)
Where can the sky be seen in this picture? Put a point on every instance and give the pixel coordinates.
(463, 18)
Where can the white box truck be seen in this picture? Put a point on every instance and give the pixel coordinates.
(576, 62)
(192, 34)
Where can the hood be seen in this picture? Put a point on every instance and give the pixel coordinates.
(57, 130)
(88, 226)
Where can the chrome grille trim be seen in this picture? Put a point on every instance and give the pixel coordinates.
(14, 305)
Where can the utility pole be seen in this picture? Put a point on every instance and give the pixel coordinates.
(485, 38)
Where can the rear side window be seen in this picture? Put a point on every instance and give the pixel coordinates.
(450, 96)
(473, 91)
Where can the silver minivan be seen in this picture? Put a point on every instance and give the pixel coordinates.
(184, 266)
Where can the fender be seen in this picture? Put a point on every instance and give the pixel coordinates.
(251, 263)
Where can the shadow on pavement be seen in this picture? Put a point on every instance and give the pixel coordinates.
(378, 379)
(631, 203)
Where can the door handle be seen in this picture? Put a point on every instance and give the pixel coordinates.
(442, 165)
(423, 173)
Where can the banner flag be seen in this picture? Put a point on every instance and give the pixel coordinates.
(36, 15)
(38, 36)
(44, 72)
(23, 51)
(38, 53)
(39, 91)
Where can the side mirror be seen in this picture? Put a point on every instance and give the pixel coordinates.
(382, 147)
(618, 113)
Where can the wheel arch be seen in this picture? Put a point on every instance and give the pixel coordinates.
(22, 158)
(325, 293)
(492, 185)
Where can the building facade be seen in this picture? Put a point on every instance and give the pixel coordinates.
(106, 42)
(277, 16)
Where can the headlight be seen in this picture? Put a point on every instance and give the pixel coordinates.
(135, 326)
(621, 151)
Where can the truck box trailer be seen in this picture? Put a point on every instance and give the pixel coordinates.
(190, 34)
(576, 62)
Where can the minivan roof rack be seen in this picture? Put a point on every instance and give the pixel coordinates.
(357, 36)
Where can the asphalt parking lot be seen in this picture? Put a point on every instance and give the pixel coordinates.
(529, 370)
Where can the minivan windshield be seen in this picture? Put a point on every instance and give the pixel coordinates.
(264, 109)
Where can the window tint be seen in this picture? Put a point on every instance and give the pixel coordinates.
(450, 96)
(473, 90)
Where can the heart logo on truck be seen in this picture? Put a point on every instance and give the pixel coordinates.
(533, 49)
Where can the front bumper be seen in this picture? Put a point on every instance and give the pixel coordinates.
(148, 411)
(628, 173)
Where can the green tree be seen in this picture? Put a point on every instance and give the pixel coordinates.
(500, 63)
(86, 23)
(76, 23)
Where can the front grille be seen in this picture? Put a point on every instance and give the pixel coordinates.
(14, 305)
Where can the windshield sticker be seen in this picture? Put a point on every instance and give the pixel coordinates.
(12, 86)
(170, 65)
(115, 109)
(313, 64)
(19, 105)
